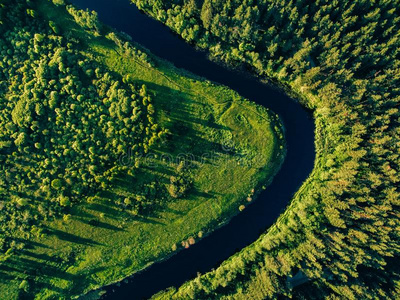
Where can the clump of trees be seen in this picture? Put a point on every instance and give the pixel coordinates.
(85, 18)
(343, 57)
(65, 120)
(129, 50)
(181, 182)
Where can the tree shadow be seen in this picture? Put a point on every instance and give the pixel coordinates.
(68, 237)
(31, 244)
(180, 107)
(4, 277)
(38, 272)
(97, 223)
(108, 210)
(144, 219)
(173, 211)
(198, 193)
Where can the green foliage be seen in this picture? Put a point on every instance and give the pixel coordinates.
(54, 27)
(31, 13)
(342, 60)
(24, 285)
(56, 184)
(85, 18)
(59, 120)
(179, 184)
(59, 2)
(206, 14)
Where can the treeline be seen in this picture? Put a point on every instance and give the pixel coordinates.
(341, 232)
(64, 124)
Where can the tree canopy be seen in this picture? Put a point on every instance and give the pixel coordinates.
(342, 59)
(65, 120)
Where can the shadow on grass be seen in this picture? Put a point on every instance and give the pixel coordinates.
(109, 209)
(39, 269)
(65, 236)
(173, 211)
(30, 244)
(181, 105)
(144, 219)
(198, 193)
(97, 223)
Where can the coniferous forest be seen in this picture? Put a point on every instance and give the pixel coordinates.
(339, 238)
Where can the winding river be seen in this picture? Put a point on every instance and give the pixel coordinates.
(245, 228)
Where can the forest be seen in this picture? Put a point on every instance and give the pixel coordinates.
(339, 238)
(52, 123)
(92, 188)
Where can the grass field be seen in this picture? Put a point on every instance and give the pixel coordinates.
(235, 146)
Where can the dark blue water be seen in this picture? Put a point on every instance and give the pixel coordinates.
(245, 228)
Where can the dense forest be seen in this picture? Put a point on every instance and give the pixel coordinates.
(339, 237)
(65, 121)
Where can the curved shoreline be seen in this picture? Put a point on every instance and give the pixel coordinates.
(248, 225)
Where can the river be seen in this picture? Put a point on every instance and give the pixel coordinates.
(246, 227)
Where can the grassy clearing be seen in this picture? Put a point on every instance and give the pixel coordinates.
(236, 146)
